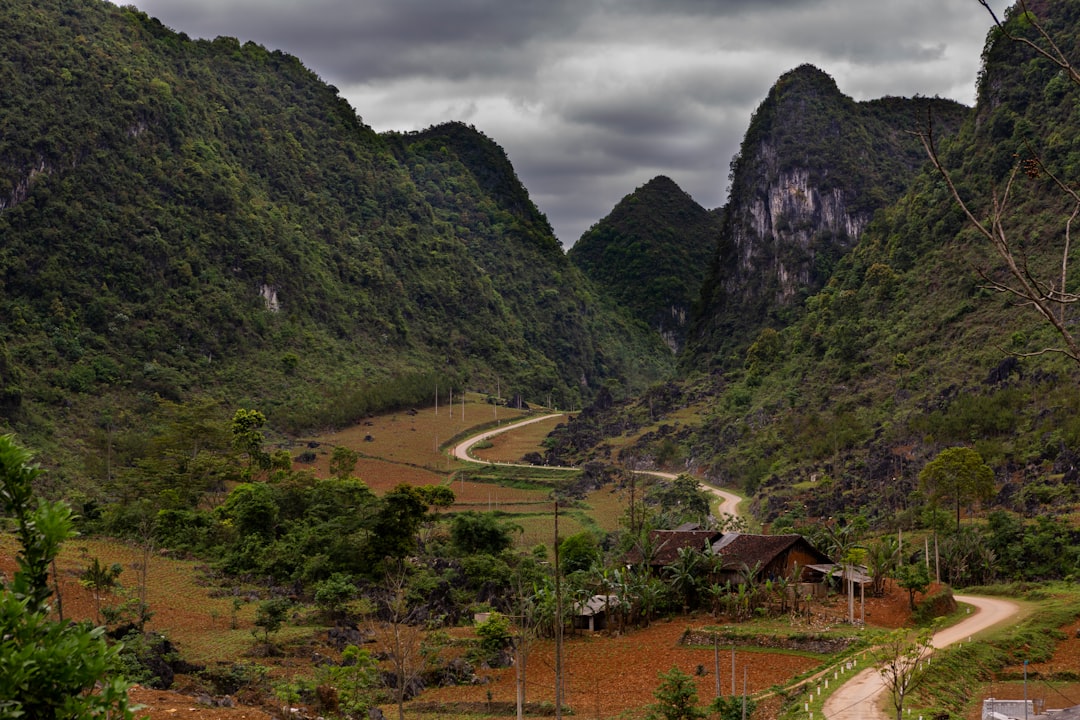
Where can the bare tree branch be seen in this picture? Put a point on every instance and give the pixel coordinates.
(1025, 286)
(1054, 54)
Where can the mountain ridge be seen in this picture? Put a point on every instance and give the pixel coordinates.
(650, 253)
(185, 217)
(813, 168)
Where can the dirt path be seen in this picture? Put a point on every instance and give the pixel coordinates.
(861, 697)
(729, 502)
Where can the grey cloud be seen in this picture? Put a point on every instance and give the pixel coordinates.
(715, 8)
(592, 98)
(385, 38)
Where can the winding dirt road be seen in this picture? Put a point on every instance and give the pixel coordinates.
(861, 698)
(729, 502)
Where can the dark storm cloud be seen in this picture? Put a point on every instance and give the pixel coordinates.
(384, 38)
(592, 98)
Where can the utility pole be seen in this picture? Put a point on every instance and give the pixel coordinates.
(558, 628)
(716, 661)
(732, 671)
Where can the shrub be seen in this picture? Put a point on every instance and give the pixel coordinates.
(494, 634)
(47, 667)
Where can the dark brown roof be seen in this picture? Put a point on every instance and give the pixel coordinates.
(666, 544)
(741, 549)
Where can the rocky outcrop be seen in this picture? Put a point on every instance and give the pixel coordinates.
(814, 167)
(789, 223)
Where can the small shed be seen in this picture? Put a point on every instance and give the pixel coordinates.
(824, 573)
(996, 709)
(592, 614)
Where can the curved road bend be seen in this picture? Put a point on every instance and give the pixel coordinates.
(729, 502)
(461, 450)
(861, 697)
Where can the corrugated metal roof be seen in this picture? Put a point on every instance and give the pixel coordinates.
(595, 605)
(857, 573)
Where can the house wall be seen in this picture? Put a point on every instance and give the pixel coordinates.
(800, 556)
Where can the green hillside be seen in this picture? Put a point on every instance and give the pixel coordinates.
(185, 218)
(812, 170)
(907, 349)
(651, 254)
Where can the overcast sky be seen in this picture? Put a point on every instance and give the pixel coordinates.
(592, 98)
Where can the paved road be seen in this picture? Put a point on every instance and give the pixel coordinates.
(461, 450)
(729, 502)
(861, 697)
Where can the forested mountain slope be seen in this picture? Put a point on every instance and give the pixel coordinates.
(203, 217)
(906, 351)
(812, 170)
(652, 253)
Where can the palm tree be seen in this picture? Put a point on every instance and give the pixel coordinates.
(651, 592)
(881, 559)
(604, 581)
(843, 546)
(683, 575)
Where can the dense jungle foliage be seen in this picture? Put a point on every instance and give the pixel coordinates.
(651, 254)
(188, 217)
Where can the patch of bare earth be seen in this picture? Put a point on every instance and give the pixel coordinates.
(1042, 688)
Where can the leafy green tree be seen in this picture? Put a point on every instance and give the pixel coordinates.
(676, 698)
(881, 560)
(900, 661)
(355, 680)
(680, 500)
(253, 510)
(248, 439)
(343, 461)
(100, 580)
(913, 578)
(439, 497)
(731, 707)
(578, 552)
(958, 474)
(270, 615)
(333, 594)
(393, 533)
(494, 635)
(48, 669)
(473, 532)
(684, 575)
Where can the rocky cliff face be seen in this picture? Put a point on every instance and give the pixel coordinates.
(814, 167)
(788, 224)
